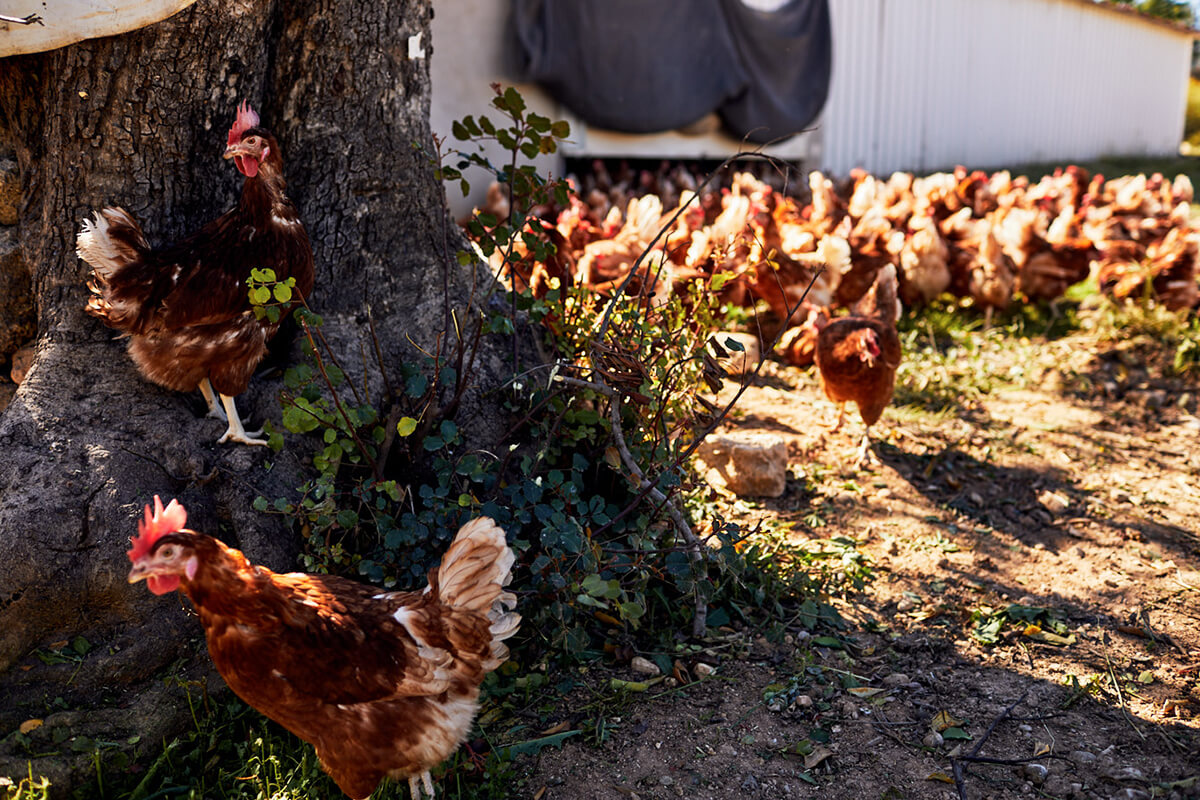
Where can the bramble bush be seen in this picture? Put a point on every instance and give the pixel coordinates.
(595, 488)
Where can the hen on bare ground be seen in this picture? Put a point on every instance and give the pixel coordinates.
(857, 355)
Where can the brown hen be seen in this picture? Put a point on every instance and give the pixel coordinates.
(858, 355)
(383, 684)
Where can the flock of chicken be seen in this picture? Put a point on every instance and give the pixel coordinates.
(990, 238)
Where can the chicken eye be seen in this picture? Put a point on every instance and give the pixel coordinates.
(167, 552)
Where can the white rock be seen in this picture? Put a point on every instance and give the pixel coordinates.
(747, 464)
(703, 670)
(644, 666)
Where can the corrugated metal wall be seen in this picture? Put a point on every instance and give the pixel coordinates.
(926, 84)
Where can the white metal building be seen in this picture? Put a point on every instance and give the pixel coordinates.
(917, 85)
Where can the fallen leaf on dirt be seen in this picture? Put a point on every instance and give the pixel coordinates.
(30, 725)
(940, 776)
(943, 720)
(633, 686)
(1038, 635)
(865, 691)
(955, 733)
(559, 728)
(59, 645)
(1146, 676)
(1040, 749)
(539, 794)
(818, 755)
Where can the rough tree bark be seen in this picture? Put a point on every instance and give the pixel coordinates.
(139, 120)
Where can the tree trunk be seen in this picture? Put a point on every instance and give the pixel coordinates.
(139, 121)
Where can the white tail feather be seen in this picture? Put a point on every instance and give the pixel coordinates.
(99, 249)
(472, 576)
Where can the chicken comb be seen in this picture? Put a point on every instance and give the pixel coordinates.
(247, 118)
(154, 527)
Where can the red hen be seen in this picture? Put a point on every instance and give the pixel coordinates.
(858, 355)
(186, 306)
(383, 684)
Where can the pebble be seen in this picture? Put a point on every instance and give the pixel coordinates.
(1054, 502)
(644, 666)
(1082, 757)
(750, 784)
(703, 670)
(1036, 773)
(906, 604)
(666, 780)
(933, 739)
(896, 679)
(1126, 774)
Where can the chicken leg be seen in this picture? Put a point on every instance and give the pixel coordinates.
(235, 432)
(210, 397)
(864, 456)
(414, 785)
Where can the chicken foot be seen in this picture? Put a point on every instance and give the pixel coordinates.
(836, 425)
(210, 397)
(864, 456)
(235, 432)
(414, 785)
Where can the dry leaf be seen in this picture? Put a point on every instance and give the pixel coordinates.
(943, 720)
(30, 725)
(818, 755)
(553, 729)
(865, 691)
(1040, 749)
(940, 776)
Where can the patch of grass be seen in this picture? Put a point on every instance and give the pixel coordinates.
(950, 362)
(1147, 326)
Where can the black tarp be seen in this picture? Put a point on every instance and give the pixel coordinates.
(644, 66)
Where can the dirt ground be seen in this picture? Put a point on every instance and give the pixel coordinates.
(1072, 492)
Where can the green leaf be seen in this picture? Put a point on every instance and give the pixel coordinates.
(560, 129)
(260, 503)
(459, 131)
(260, 295)
(955, 733)
(632, 611)
(735, 345)
(719, 280)
(406, 426)
(283, 293)
(513, 100)
(298, 420)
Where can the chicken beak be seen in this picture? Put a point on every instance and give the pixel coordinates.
(139, 572)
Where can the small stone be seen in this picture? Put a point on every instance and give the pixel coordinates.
(803, 701)
(1126, 774)
(703, 670)
(727, 750)
(906, 604)
(1054, 502)
(644, 666)
(975, 498)
(747, 464)
(896, 679)
(666, 780)
(1156, 398)
(750, 784)
(933, 739)
(1035, 773)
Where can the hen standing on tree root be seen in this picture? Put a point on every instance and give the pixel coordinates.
(858, 355)
(186, 306)
(383, 684)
